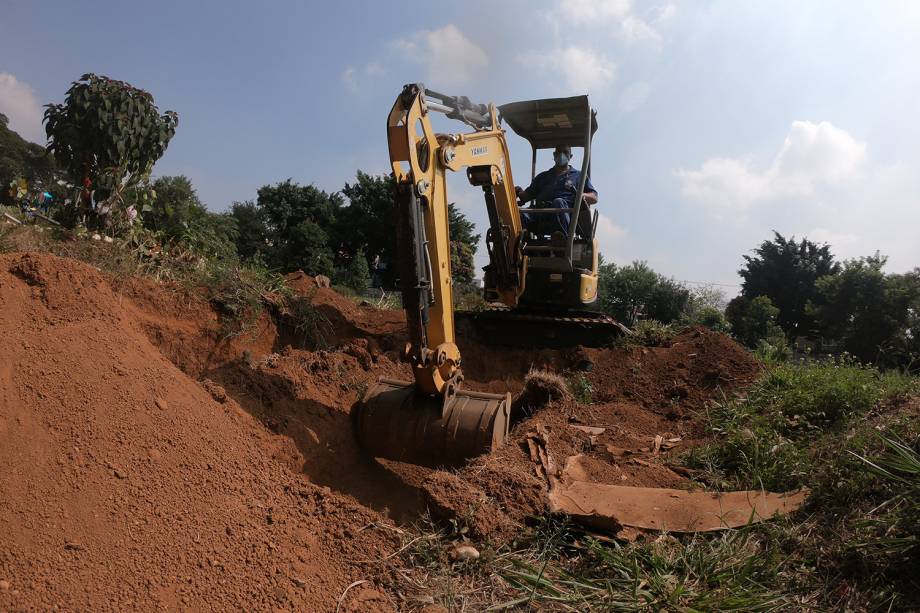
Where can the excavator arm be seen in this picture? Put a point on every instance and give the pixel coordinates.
(432, 420)
(420, 159)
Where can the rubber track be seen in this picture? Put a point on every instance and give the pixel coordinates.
(504, 326)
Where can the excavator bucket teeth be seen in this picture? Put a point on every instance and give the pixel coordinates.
(396, 422)
(498, 326)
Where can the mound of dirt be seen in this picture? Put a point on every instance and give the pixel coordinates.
(345, 320)
(674, 379)
(646, 404)
(124, 484)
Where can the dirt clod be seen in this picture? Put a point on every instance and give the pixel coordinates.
(462, 553)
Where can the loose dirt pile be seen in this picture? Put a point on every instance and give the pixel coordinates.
(124, 484)
(146, 460)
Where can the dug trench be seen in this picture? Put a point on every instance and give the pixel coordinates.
(306, 399)
(143, 442)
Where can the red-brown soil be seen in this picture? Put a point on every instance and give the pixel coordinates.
(343, 320)
(124, 484)
(146, 461)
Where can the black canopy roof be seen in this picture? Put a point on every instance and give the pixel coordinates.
(550, 122)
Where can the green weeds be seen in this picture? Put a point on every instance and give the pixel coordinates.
(764, 439)
(651, 333)
(581, 388)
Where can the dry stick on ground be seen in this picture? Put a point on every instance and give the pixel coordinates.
(338, 604)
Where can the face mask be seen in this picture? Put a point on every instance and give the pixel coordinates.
(561, 159)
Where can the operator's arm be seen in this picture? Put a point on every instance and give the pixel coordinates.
(523, 194)
(590, 194)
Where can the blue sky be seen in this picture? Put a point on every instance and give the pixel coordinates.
(719, 121)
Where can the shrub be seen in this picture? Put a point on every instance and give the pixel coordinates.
(651, 333)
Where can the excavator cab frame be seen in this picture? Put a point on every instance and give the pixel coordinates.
(545, 124)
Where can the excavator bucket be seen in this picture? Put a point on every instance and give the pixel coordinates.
(397, 422)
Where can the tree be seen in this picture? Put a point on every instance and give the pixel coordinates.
(709, 317)
(463, 246)
(706, 307)
(297, 221)
(174, 212)
(107, 136)
(786, 271)
(174, 207)
(357, 275)
(873, 315)
(251, 233)
(754, 321)
(634, 292)
(368, 222)
(20, 159)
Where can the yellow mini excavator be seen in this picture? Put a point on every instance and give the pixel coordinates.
(544, 281)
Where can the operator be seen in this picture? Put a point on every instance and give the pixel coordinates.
(556, 188)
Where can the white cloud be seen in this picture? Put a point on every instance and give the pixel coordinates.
(858, 206)
(666, 12)
(351, 76)
(837, 239)
(21, 106)
(635, 29)
(813, 156)
(632, 28)
(879, 212)
(610, 238)
(452, 58)
(374, 69)
(633, 96)
(583, 69)
(348, 77)
(592, 11)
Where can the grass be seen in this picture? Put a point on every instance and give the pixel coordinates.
(557, 567)
(765, 438)
(849, 432)
(310, 328)
(650, 333)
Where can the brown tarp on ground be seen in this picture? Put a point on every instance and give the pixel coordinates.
(612, 507)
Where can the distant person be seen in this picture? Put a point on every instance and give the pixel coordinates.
(556, 188)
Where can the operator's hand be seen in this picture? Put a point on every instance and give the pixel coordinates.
(518, 191)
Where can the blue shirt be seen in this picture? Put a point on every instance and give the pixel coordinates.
(548, 186)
